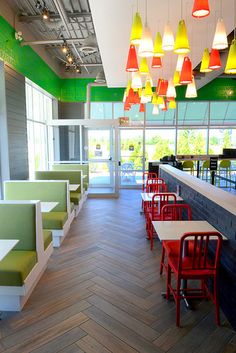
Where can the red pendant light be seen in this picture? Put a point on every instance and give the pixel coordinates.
(186, 72)
(215, 62)
(163, 88)
(132, 62)
(141, 108)
(164, 106)
(200, 8)
(158, 85)
(127, 105)
(156, 62)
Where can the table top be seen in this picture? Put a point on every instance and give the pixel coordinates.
(48, 206)
(6, 245)
(147, 196)
(74, 187)
(173, 230)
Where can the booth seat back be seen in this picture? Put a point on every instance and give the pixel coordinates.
(73, 176)
(18, 221)
(68, 166)
(56, 191)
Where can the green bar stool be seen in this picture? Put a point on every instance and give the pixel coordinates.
(204, 169)
(224, 170)
(188, 166)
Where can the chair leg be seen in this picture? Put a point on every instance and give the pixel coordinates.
(168, 282)
(162, 259)
(216, 301)
(177, 301)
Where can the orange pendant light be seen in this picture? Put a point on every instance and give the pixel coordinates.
(214, 62)
(186, 72)
(156, 62)
(200, 8)
(142, 108)
(132, 62)
(163, 88)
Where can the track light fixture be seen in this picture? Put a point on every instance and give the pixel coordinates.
(78, 69)
(64, 48)
(69, 57)
(41, 5)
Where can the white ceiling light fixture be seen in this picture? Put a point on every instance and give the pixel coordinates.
(136, 80)
(191, 91)
(146, 47)
(180, 62)
(168, 40)
(220, 38)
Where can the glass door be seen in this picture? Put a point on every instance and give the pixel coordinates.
(131, 157)
(100, 156)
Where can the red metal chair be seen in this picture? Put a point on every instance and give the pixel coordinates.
(201, 264)
(154, 185)
(154, 212)
(146, 176)
(173, 212)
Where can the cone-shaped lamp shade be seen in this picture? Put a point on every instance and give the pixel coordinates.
(124, 96)
(205, 61)
(181, 40)
(200, 8)
(176, 78)
(154, 98)
(136, 31)
(158, 51)
(160, 100)
(186, 72)
(141, 108)
(220, 38)
(140, 91)
(131, 96)
(163, 106)
(171, 92)
(136, 80)
(146, 43)
(168, 40)
(132, 62)
(143, 67)
(163, 88)
(180, 62)
(156, 62)
(155, 110)
(231, 60)
(214, 62)
(191, 91)
(172, 104)
(148, 89)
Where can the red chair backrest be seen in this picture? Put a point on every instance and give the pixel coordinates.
(199, 259)
(176, 212)
(146, 176)
(161, 199)
(154, 185)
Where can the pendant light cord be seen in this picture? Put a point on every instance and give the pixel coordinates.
(220, 8)
(146, 12)
(181, 10)
(168, 10)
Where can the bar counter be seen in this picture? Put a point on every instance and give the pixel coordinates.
(218, 207)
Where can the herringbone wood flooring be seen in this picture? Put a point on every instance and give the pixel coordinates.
(102, 293)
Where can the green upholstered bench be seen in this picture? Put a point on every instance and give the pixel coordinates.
(60, 218)
(22, 267)
(73, 176)
(47, 238)
(75, 166)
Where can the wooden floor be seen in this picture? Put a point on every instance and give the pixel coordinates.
(102, 293)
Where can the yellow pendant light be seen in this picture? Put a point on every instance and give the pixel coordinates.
(168, 38)
(136, 82)
(154, 98)
(148, 89)
(136, 31)
(143, 67)
(160, 100)
(158, 51)
(181, 41)
(191, 91)
(172, 104)
(155, 110)
(140, 90)
(220, 38)
(205, 61)
(231, 60)
(171, 92)
(176, 78)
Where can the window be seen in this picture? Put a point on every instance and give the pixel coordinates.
(221, 138)
(222, 113)
(193, 113)
(39, 111)
(192, 141)
(101, 110)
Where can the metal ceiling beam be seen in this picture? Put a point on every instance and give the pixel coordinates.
(53, 41)
(24, 18)
(65, 20)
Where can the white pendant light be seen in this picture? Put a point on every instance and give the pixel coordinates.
(168, 40)
(136, 80)
(155, 110)
(180, 62)
(220, 38)
(171, 92)
(146, 44)
(191, 91)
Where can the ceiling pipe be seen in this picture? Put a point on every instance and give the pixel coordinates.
(65, 20)
(23, 18)
(88, 96)
(53, 41)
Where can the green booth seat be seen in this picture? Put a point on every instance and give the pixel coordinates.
(22, 267)
(16, 266)
(74, 177)
(75, 166)
(47, 238)
(60, 218)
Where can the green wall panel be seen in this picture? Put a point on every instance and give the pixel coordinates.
(26, 61)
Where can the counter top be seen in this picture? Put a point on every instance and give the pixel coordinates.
(213, 193)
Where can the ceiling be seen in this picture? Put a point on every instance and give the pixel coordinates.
(113, 19)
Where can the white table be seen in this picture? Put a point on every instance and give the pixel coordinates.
(48, 206)
(147, 196)
(6, 245)
(74, 187)
(173, 230)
